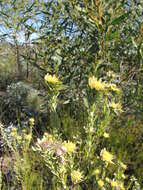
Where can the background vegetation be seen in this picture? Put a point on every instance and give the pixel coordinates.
(71, 94)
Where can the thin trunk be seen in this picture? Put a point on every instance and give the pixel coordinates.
(19, 69)
(27, 38)
(27, 71)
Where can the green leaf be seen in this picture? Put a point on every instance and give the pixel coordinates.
(111, 36)
(119, 19)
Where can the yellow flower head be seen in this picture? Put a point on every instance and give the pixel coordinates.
(97, 171)
(100, 183)
(123, 166)
(107, 179)
(114, 183)
(76, 176)
(111, 74)
(123, 176)
(106, 135)
(122, 187)
(24, 130)
(106, 156)
(13, 131)
(28, 137)
(114, 88)
(19, 139)
(96, 84)
(116, 106)
(52, 79)
(69, 147)
(31, 121)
